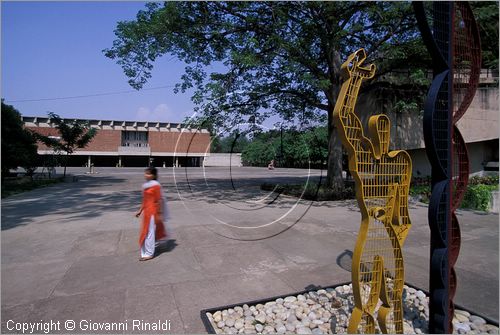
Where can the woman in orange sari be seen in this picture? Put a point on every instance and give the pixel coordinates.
(154, 209)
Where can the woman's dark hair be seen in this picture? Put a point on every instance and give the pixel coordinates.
(153, 171)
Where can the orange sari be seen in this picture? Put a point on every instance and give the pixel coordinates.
(152, 205)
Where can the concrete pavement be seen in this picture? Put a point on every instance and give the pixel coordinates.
(70, 252)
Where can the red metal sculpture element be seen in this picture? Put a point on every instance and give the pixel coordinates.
(466, 68)
(452, 38)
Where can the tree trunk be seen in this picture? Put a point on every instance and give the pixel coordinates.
(334, 174)
(65, 165)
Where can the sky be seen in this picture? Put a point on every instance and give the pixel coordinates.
(54, 50)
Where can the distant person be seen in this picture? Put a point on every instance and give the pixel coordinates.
(155, 213)
(271, 165)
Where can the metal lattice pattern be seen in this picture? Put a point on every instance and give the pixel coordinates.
(452, 38)
(466, 69)
(382, 184)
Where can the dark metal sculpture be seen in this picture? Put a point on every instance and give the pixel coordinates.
(452, 38)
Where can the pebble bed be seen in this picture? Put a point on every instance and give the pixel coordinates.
(327, 311)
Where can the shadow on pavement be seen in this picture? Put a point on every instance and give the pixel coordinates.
(344, 260)
(75, 201)
(165, 246)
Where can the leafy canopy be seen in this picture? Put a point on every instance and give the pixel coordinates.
(76, 134)
(18, 145)
(281, 57)
(289, 148)
(486, 15)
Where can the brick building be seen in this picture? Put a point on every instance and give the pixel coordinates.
(132, 143)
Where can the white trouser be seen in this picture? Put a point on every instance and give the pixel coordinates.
(148, 247)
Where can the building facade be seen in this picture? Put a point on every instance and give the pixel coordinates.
(479, 127)
(131, 143)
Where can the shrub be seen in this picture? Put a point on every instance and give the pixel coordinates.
(478, 197)
(311, 191)
(488, 180)
(18, 185)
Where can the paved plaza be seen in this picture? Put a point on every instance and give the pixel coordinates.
(70, 251)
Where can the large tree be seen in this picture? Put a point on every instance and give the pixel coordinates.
(486, 14)
(18, 145)
(281, 57)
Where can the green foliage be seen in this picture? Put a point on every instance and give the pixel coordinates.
(18, 185)
(18, 145)
(402, 106)
(75, 134)
(488, 180)
(310, 191)
(259, 152)
(421, 192)
(232, 143)
(478, 196)
(283, 56)
(289, 148)
(280, 57)
(486, 15)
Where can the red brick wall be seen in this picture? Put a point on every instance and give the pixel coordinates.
(110, 140)
(188, 142)
(104, 140)
(45, 132)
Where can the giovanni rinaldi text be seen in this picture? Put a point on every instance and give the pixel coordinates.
(47, 327)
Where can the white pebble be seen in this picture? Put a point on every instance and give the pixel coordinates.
(477, 320)
(304, 330)
(420, 294)
(269, 329)
(312, 316)
(461, 318)
(261, 317)
(281, 329)
(459, 311)
(239, 324)
(217, 317)
(462, 328)
(317, 331)
(290, 326)
(325, 312)
(230, 322)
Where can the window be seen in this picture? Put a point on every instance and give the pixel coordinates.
(134, 138)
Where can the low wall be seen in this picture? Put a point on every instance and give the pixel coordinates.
(223, 160)
(494, 202)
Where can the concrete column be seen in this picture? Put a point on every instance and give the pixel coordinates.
(89, 161)
(91, 165)
(176, 162)
(119, 161)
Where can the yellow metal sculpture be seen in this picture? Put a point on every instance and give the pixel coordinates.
(382, 180)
